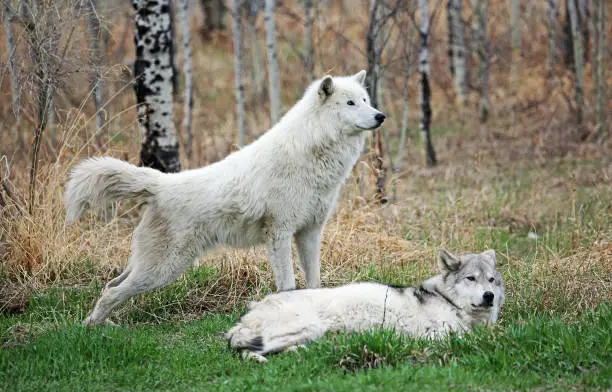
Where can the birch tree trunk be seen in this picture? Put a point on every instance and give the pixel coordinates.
(12, 63)
(308, 50)
(578, 59)
(457, 47)
(236, 28)
(601, 71)
(273, 78)
(516, 45)
(480, 8)
(183, 12)
(154, 71)
(430, 154)
(94, 36)
(553, 13)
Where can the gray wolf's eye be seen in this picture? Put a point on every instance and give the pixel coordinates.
(471, 278)
(491, 280)
(350, 103)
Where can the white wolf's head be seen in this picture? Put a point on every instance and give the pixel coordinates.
(347, 100)
(472, 282)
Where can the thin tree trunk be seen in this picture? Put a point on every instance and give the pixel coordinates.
(601, 71)
(236, 27)
(154, 70)
(94, 36)
(578, 60)
(458, 50)
(308, 49)
(430, 154)
(10, 43)
(516, 45)
(407, 57)
(480, 8)
(269, 18)
(451, 36)
(256, 55)
(553, 13)
(188, 104)
(373, 53)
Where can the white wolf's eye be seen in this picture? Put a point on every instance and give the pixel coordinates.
(491, 280)
(470, 278)
(350, 103)
(364, 100)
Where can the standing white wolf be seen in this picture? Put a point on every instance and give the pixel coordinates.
(283, 185)
(468, 292)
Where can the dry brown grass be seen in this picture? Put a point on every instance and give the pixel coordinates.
(529, 169)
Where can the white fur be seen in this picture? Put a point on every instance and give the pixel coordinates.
(449, 302)
(282, 186)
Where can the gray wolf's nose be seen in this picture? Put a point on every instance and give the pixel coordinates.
(488, 297)
(380, 118)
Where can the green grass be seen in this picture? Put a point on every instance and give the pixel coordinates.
(47, 349)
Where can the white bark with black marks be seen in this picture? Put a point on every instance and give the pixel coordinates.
(237, 32)
(578, 60)
(601, 71)
(457, 49)
(183, 12)
(273, 77)
(553, 14)
(430, 154)
(94, 38)
(479, 28)
(12, 63)
(154, 74)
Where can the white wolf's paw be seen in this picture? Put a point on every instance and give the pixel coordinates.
(250, 355)
(89, 322)
(295, 348)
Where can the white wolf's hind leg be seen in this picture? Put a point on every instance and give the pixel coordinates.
(279, 253)
(308, 243)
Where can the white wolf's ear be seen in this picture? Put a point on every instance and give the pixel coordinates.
(326, 88)
(360, 77)
(448, 262)
(490, 256)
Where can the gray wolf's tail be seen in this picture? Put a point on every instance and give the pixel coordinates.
(101, 180)
(243, 337)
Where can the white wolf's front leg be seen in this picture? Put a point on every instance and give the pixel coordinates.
(308, 241)
(279, 253)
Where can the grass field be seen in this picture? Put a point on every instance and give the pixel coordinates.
(536, 352)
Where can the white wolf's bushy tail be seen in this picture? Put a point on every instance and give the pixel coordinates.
(102, 180)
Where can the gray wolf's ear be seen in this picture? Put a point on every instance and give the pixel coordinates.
(326, 88)
(489, 256)
(360, 77)
(448, 262)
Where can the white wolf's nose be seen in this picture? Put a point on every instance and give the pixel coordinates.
(488, 297)
(380, 117)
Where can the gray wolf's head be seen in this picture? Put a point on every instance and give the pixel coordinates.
(473, 283)
(346, 99)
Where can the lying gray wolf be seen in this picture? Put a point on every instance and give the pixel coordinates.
(282, 186)
(469, 291)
